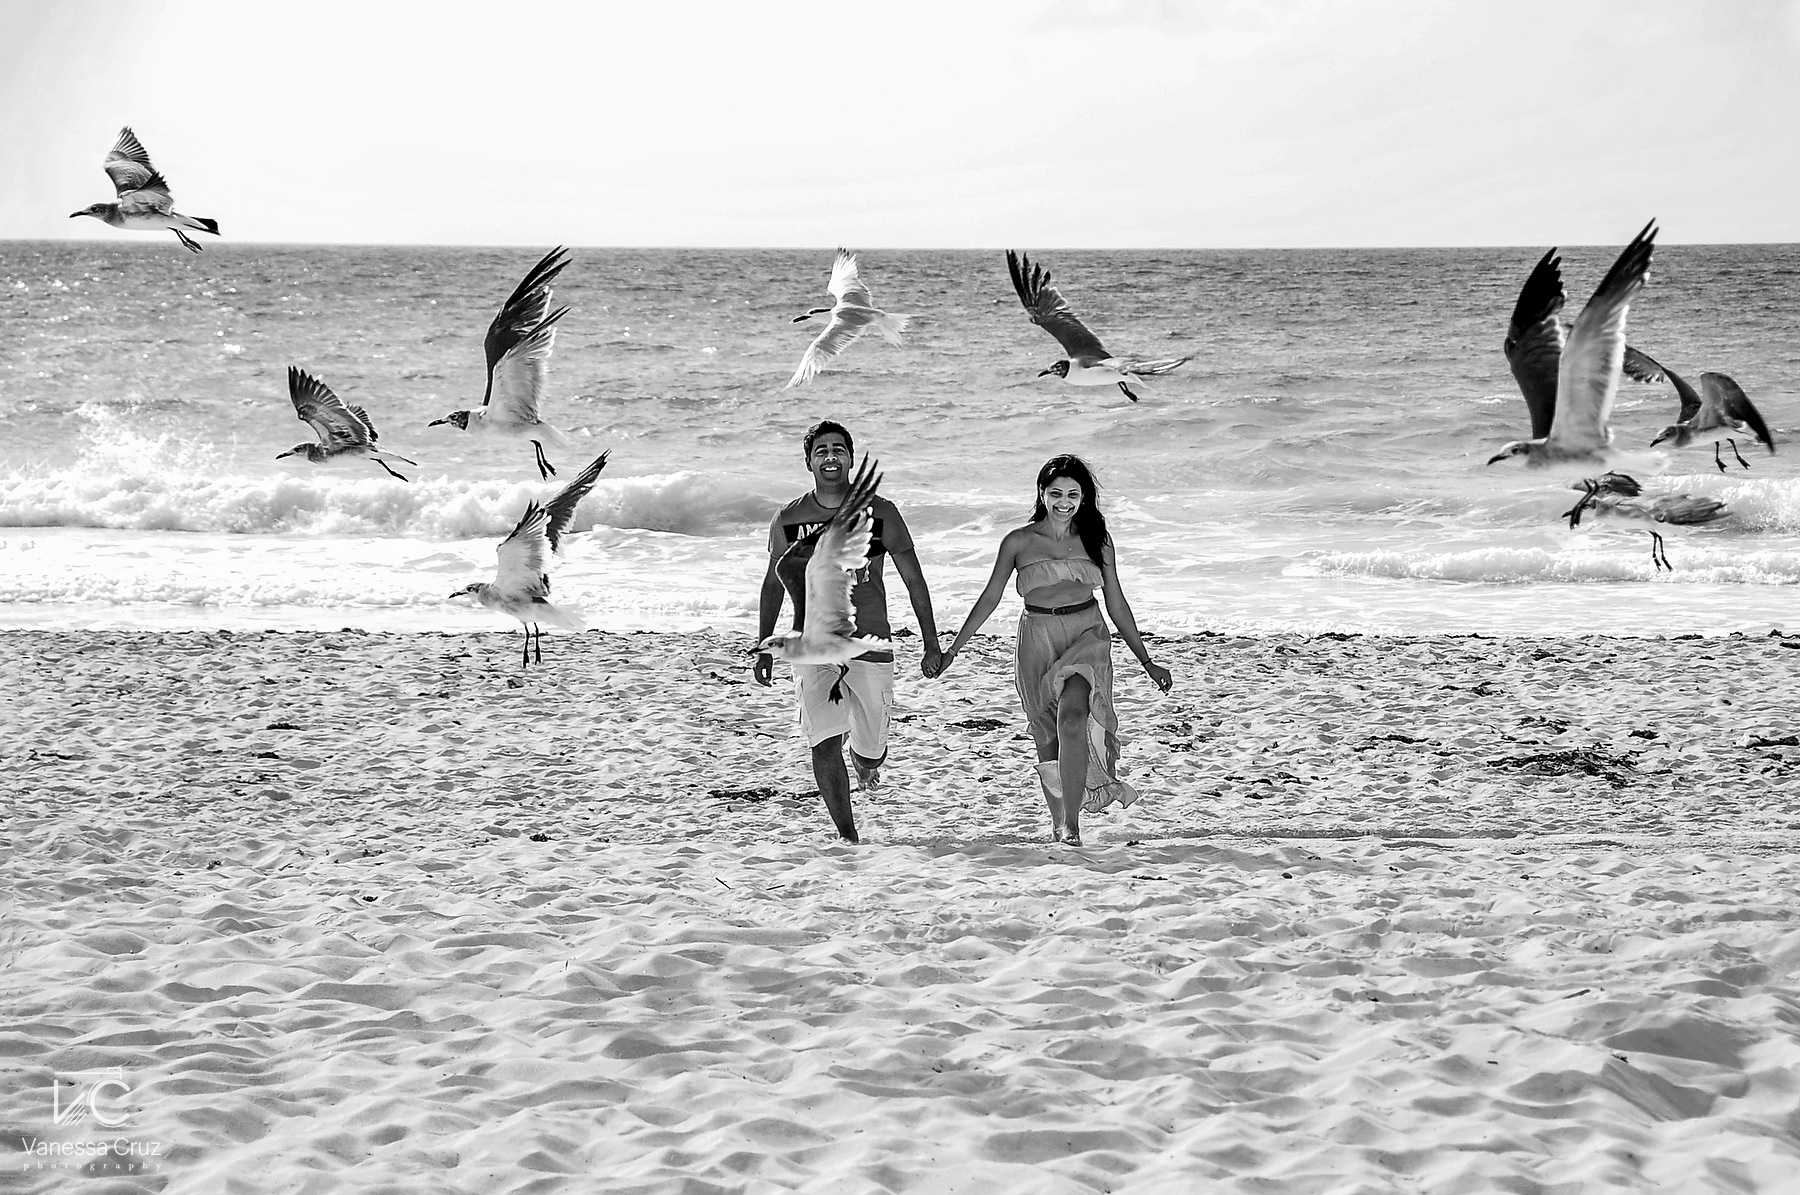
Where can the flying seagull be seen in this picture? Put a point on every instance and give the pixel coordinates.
(1088, 362)
(1720, 406)
(1620, 494)
(1569, 386)
(518, 348)
(144, 200)
(854, 314)
(827, 632)
(521, 584)
(344, 431)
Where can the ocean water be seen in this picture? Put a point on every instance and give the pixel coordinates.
(1319, 465)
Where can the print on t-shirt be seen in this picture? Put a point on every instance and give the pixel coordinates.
(792, 535)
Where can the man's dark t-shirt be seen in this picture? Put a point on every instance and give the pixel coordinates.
(805, 515)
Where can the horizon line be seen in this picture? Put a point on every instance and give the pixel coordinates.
(832, 248)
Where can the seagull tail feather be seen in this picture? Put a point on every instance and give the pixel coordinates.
(890, 326)
(199, 222)
(556, 616)
(1158, 367)
(549, 432)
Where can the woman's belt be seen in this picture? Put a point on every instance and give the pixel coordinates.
(1077, 608)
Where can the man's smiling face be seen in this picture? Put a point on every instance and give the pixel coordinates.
(830, 460)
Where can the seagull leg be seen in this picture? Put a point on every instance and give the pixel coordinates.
(525, 658)
(538, 651)
(186, 240)
(1736, 453)
(546, 470)
(1716, 459)
(1659, 555)
(390, 470)
(1128, 393)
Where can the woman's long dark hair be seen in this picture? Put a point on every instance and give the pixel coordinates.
(1089, 523)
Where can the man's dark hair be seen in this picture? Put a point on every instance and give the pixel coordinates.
(820, 428)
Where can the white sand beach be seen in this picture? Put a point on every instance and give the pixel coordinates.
(384, 913)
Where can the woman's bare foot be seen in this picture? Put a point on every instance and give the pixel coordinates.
(1072, 838)
(1058, 832)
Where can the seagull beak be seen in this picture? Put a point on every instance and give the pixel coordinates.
(1044, 373)
(72, 215)
(279, 455)
(1497, 458)
(437, 422)
(801, 319)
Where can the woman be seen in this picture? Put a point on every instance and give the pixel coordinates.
(1063, 660)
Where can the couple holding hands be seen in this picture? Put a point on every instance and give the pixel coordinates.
(1063, 660)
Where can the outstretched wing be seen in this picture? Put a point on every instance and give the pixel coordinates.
(524, 556)
(836, 337)
(1722, 394)
(1049, 310)
(846, 284)
(1589, 376)
(561, 509)
(338, 426)
(843, 547)
(363, 416)
(1534, 341)
(133, 177)
(519, 341)
(1640, 366)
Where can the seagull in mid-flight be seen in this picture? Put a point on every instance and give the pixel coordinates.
(143, 195)
(827, 633)
(1569, 385)
(1720, 406)
(521, 584)
(518, 348)
(1088, 362)
(1620, 494)
(344, 431)
(854, 314)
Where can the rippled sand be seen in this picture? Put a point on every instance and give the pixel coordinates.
(385, 913)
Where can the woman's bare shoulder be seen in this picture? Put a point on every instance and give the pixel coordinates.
(1019, 537)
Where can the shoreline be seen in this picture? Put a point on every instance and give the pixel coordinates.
(359, 912)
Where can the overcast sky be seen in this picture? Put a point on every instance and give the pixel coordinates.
(1053, 124)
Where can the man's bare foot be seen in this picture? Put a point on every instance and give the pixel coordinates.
(867, 779)
(1058, 832)
(1072, 838)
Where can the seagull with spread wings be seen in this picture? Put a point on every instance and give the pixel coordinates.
(521, 584)
(143, 200)
(827, 633)
(518, 348)
(1620, 494)
(1720, 406)
(343, 430)
(1088, 362)
(854, 314)
(1569, 385)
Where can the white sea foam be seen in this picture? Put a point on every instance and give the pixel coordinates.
(329, 500)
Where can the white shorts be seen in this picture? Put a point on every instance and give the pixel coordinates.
(868, 694)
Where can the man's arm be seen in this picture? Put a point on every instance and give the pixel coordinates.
(768, 609)
(906, 564)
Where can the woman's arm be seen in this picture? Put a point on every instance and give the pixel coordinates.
(1005, 560)
(1119, 610)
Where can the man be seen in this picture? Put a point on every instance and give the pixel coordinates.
(835, 704)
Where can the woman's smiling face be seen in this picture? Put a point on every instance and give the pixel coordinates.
(1062, 497)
